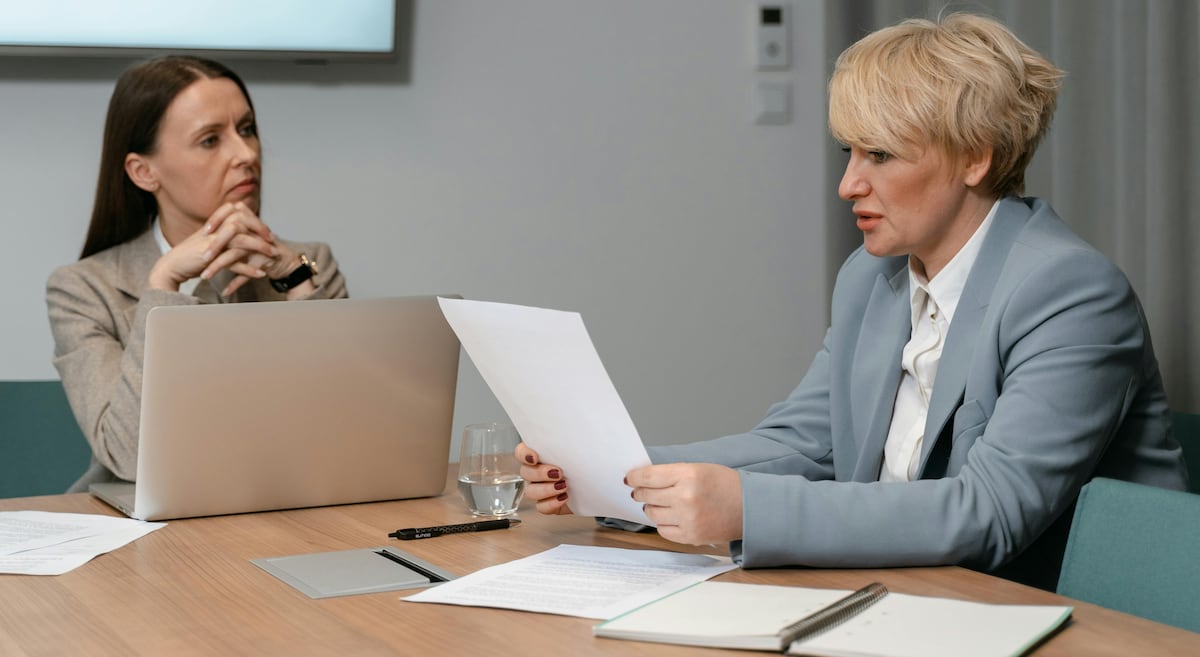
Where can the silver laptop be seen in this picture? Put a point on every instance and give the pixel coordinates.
(277, 405)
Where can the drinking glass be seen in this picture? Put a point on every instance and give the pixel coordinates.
(489, 477)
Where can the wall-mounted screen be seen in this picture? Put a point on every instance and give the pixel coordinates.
(286, 29)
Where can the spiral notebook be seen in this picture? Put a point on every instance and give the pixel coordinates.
(831, 623)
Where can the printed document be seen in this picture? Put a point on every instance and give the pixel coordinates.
(576, 580)
(45, 543)
(545, 372)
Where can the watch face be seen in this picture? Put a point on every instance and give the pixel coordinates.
(311, 264)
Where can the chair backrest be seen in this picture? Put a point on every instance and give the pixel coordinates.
(1133, 548)
(42, 450)
(1187, 432)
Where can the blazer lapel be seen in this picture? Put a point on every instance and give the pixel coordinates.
(959, 349)
(206, 291)
(875, 374)
(210, 291)
(136, 259)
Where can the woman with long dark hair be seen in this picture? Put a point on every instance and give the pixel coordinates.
(176, 221)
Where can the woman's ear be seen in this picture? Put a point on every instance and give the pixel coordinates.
(141, 172)
(977, 167)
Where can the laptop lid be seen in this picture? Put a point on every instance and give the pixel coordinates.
(274, 405)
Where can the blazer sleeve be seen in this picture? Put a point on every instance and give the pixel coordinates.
(794, 438)
(329, 281)
(101, 374)
(1065, 348)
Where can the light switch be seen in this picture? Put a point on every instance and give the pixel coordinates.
(773, 103)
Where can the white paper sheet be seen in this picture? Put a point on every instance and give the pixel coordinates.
(26, 530)
(45, 543)
(544, 370)
(576, 580)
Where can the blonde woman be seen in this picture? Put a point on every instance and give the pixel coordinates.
(982, 363)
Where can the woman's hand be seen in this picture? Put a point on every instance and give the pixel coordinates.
(546, 483)
(692, 503)
(242, 243)
(233, 238)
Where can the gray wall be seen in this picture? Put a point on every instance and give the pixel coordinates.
(598, 157)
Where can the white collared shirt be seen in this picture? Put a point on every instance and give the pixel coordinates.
(188, 286)
(933, 304)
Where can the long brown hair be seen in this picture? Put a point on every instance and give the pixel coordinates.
(122, 210)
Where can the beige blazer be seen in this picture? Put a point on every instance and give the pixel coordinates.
(98, 310)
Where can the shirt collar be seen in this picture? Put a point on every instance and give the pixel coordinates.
(946, 288)
(159, 238)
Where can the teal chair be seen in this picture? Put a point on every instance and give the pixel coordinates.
(1187, 432)
(1133, 548)
(42, 451)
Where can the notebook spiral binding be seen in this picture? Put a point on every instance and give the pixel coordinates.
(834, 614)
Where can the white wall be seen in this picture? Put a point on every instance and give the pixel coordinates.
(591, 156)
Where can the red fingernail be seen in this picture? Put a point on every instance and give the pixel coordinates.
(625, 481)
(529, 459)
(554, 474)
(562, 497)
(559, 485)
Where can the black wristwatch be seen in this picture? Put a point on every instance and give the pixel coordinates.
(305, 271)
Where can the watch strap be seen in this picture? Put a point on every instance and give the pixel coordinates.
(304, 272)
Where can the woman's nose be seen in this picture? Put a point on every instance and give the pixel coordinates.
(246, 150)
(852, 185)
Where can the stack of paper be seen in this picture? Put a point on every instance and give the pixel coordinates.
(44, 543)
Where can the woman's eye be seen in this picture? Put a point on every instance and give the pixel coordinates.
(209, 141)
(878, 157)
(248, 130)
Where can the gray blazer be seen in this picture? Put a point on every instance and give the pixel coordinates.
(1047, 379)
(98, 312)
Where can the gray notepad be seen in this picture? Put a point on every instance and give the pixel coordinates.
(350, 572)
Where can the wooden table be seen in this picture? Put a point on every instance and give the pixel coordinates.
(190, 589)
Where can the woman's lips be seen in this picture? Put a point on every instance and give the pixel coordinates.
(867, 221)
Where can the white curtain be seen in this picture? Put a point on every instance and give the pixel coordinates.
(1121, 163)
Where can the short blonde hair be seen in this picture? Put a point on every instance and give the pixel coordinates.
(962, 84)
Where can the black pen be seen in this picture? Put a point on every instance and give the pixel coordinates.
(429, 532)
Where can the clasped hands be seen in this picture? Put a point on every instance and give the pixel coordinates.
(233, 238)
(691, 503)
